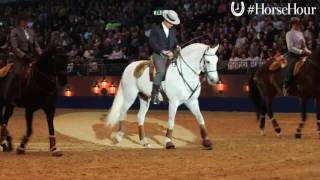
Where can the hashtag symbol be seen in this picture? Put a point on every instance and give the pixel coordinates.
(250, 9)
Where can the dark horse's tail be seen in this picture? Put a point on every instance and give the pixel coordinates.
(256, 97)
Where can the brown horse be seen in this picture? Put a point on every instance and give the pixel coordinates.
(265, 84)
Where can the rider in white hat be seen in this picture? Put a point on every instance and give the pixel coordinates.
(162, 42)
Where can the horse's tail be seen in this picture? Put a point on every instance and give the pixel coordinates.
(255, 96)
(114, 113)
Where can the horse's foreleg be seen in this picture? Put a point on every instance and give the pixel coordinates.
(274, 122)
(50, 111)
(195, 110)
(144, 106)
(303, 108)
(171, 120)
(25, 139)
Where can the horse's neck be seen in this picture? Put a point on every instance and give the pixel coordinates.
(190, 62)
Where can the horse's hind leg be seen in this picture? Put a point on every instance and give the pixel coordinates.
(303, 106)
(25, 139)
(195, 110)
(274, 122)
(129, 100)
(262, 118)
(144, 106)
(318, 115)
(6, 139)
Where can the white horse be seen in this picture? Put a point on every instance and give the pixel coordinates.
(182, 86)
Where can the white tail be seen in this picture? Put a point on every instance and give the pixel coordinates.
(114, 113)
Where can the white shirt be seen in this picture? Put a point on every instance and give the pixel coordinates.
(26, 33)
(295, 41)
(166, 30)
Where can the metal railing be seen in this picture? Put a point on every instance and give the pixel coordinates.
(115, 68)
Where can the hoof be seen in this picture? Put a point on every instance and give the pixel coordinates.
(298, 136)
(278, 130)
(279, 135)
(262, 132)
(21, 150)
(118, 137)
(170, 145)
(56, 153)
(144, 142)
(207, 145)
(5, 146)
(9, 140)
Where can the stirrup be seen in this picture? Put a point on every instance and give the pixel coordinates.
(285, 91)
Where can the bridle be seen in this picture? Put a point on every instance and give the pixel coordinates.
(202, 62)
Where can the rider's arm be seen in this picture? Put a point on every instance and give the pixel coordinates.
(290, 45)
(14, 44)
(37, 47)
(36, 44)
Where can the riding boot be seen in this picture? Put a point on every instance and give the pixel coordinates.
(155, 94)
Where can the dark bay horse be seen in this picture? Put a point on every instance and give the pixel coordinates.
(266, 84)
(39, 93)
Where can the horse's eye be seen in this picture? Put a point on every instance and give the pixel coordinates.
(208, 62)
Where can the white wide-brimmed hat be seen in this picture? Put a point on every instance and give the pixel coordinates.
(171, 16)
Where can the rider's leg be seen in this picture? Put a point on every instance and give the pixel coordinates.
(288, 72)
(160, 64)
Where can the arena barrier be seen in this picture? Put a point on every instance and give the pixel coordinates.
(281, 104)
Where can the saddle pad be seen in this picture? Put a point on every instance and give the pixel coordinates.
(277, 65)
(152, 70)
(299, 65)
(5, 70)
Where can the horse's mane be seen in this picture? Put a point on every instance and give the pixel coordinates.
(315, 56)
(192, 46)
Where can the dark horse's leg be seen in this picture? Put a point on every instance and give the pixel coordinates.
(262, 118)
(274, 122)
(25, 139)
(50, 111)
(318, 115)
(303, 106)
(5, 138)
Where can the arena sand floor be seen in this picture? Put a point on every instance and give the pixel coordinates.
(239, 151)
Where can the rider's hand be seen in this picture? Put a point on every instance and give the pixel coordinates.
(167, 53)
(306, 52)
(170, 54)
(178, 48)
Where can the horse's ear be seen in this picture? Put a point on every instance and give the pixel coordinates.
(215, 49)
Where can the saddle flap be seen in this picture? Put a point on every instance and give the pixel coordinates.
(5, 70)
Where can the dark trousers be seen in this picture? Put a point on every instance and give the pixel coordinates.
(288, 72)
(160, 63)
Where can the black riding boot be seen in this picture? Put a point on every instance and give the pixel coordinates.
(155, 94)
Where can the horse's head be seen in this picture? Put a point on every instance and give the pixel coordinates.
(210, 61)
(54, 63)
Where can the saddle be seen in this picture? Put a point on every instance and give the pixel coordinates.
(5, 70)
(283, 63)
(152, 70)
